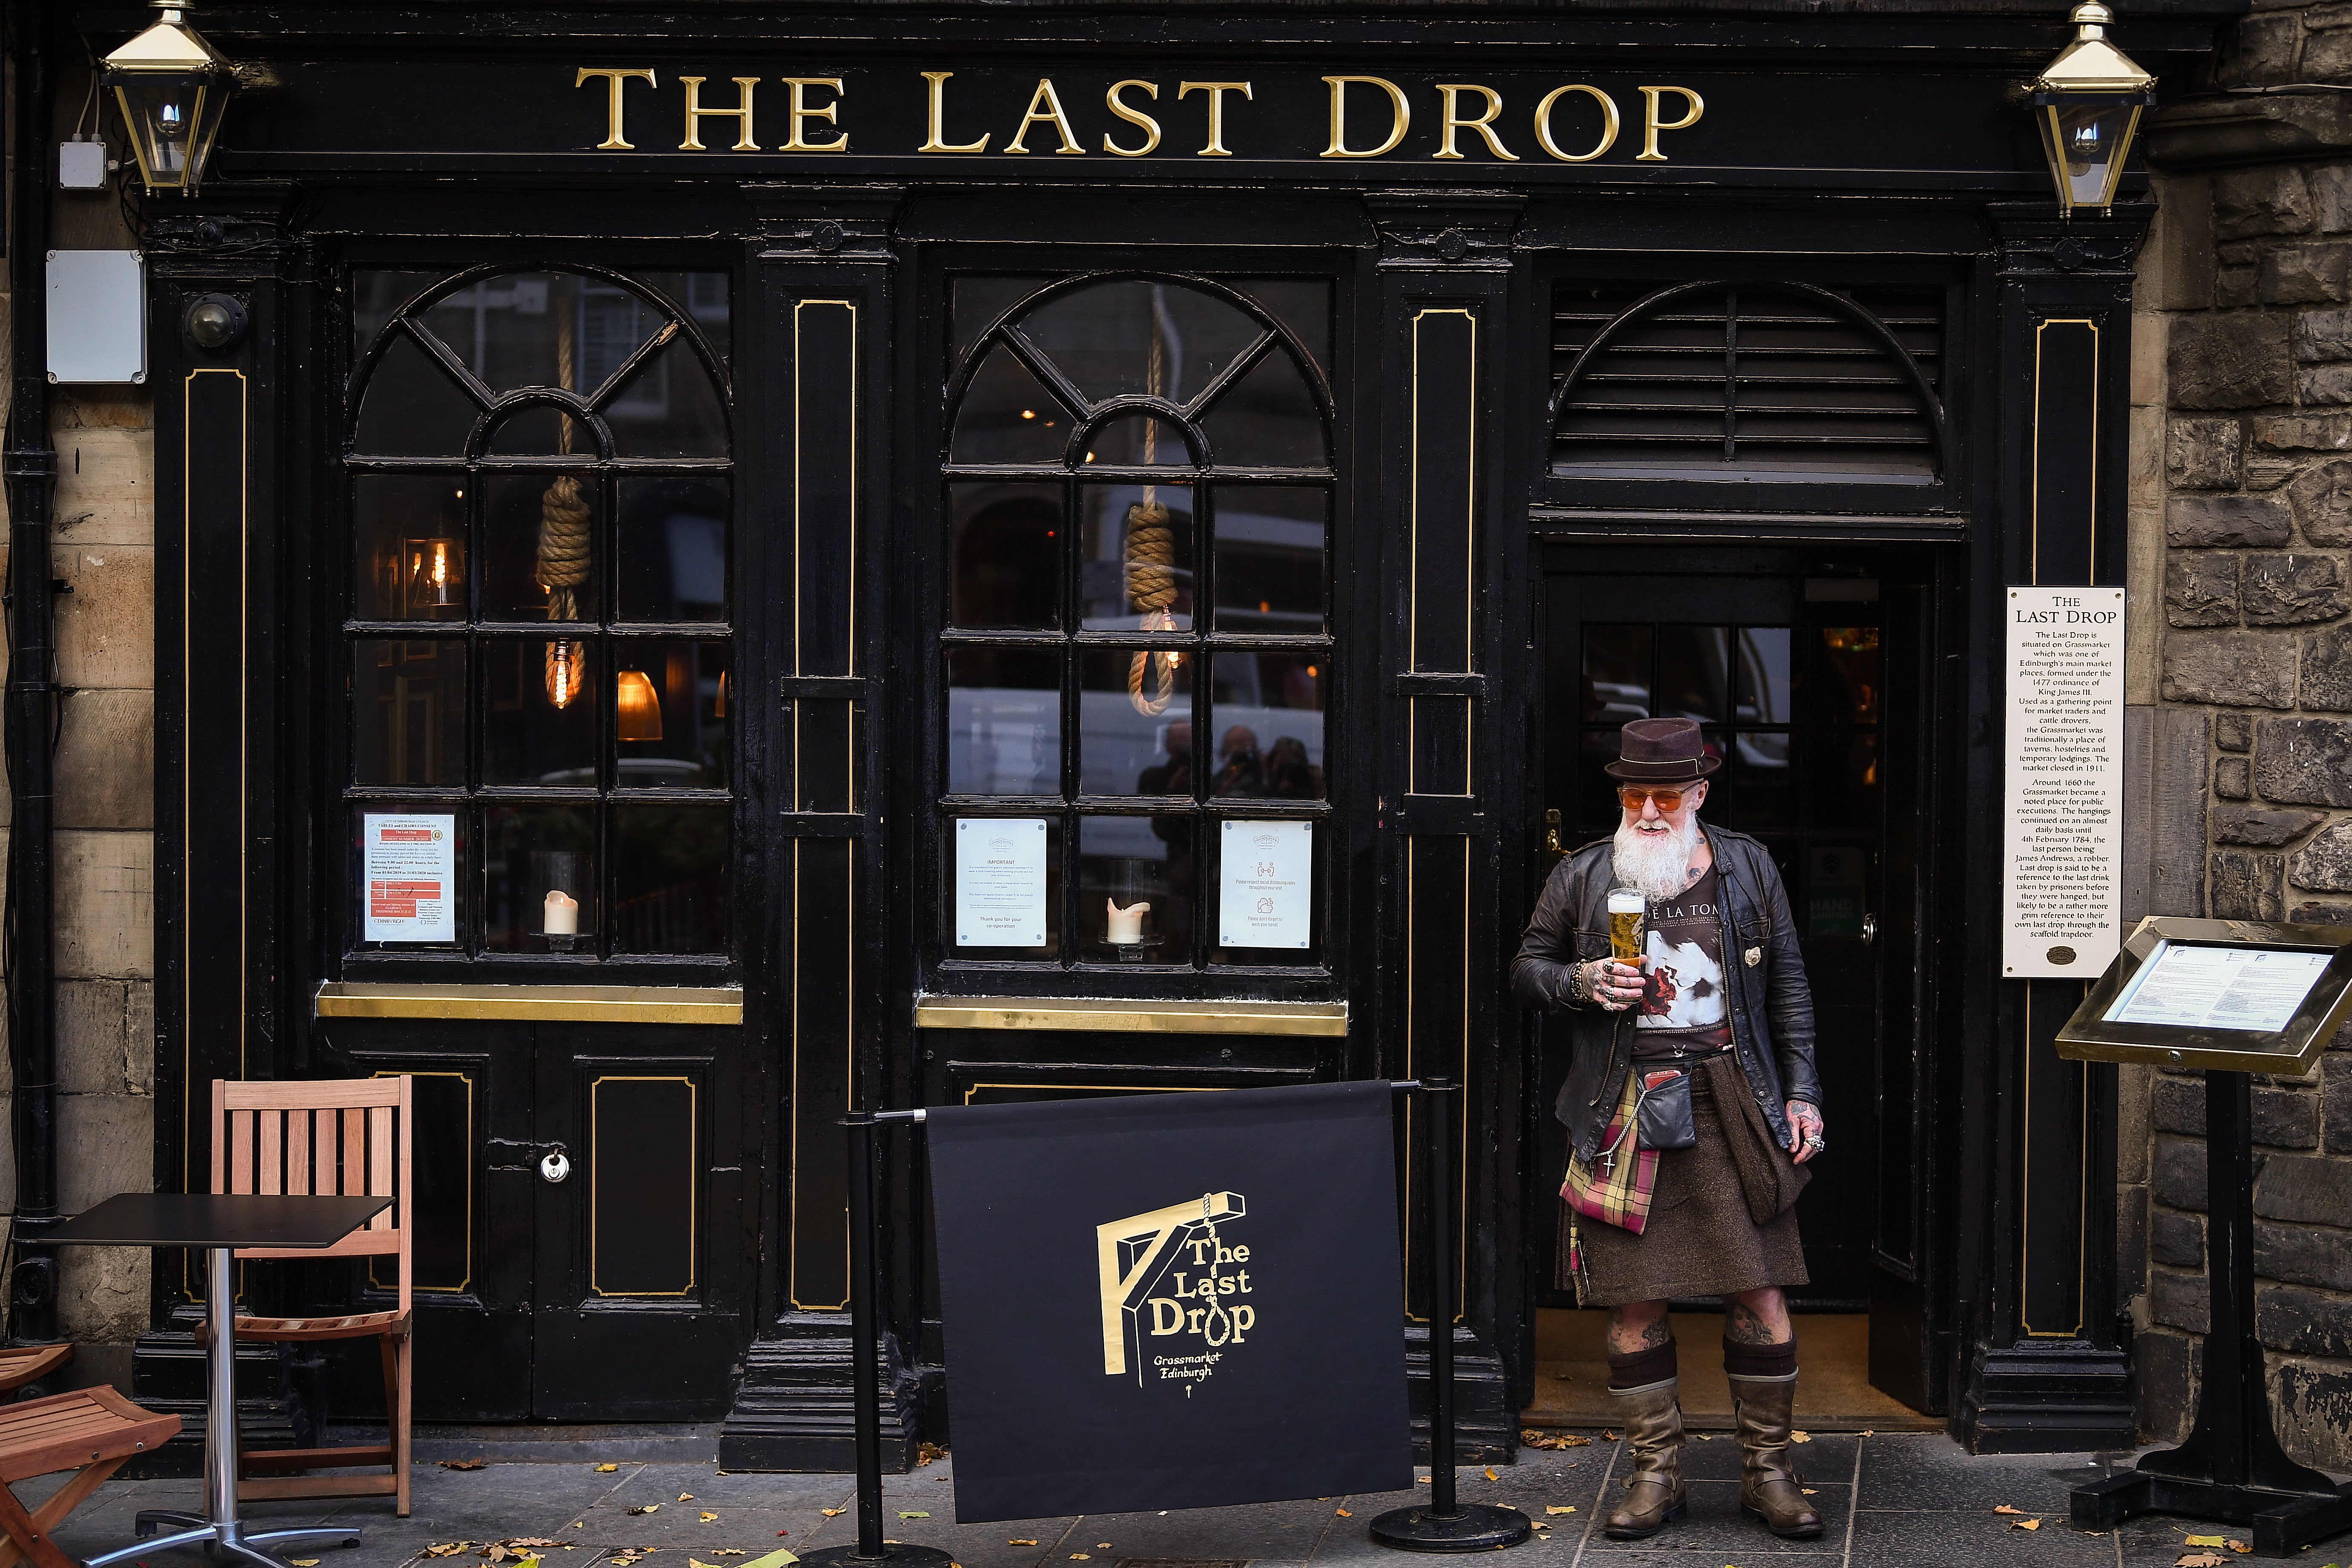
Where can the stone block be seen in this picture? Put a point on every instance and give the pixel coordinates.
(2293, 590)
(2235, 360)
(2311, 1409)
(105, 487)
(105, 905)
(138, 1029)
(2297, 1319)
(2192, 522)
(2322, 385)
(2287, 1119)
(2234, 732)
(111, 1143)
(2317, 912)
(102, 1293)
(2336, 1102)
(2328, 57)
(2304, 761)
(105, 1045)
(2322, 501)
(2302, 275)
(105, 763)
(2326, 681)
(2206, 454)
(2177, 1240)
(2273, 199)
(74, 409)
(2237, 287)
(2177, 1179)
(2305, 1189)
(2304, 433)
(2230, 778)
(106, 625)
(2180, 1301)
(2165, 1365)
(2240, 670)
(2260, 827)
(2200, 588)
(2262, 50)
(2302, 1255)
(2245, 886)
(2325, 864)
(2177, 1105)
(2323, 337)
(2331, 197)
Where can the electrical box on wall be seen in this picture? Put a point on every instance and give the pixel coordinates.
(82, 166)
(98, 316)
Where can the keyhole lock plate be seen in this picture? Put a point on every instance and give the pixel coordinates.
(555, 1167)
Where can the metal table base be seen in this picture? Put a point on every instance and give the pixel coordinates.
(218, 1528)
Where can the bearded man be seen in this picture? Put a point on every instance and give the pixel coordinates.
(1664, 1204)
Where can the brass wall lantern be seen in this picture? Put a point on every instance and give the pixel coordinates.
(174, 91)
(2087, 105)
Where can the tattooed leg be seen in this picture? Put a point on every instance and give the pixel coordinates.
(1638, 1326)
(1758, 1317)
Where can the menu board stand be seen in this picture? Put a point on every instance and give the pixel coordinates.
(2231, 1467)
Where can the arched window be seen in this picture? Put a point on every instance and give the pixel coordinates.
(536, 629)
(1137, 643)
(1765, 380)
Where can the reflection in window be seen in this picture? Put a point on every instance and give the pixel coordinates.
(567, 722)
(1210, 484)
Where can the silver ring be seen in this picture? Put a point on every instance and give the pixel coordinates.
(1815, 1145)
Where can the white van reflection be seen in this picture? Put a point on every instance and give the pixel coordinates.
(635, 773)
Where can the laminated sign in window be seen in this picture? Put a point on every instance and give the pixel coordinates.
(408, 878)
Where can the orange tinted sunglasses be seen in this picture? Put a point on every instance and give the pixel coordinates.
(1631, 797)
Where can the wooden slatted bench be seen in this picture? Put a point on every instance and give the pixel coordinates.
(91, 1431)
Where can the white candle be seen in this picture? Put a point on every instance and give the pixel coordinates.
(1126, 925)
(563, 914)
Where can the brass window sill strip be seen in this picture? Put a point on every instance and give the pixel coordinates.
(566, 1004)
(1112, 1016)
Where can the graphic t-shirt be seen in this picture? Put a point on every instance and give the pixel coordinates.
(1682, 999)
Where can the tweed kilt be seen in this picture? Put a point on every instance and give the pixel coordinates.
(1700, 1240)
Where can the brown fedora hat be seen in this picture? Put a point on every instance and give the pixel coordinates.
(1663, 750)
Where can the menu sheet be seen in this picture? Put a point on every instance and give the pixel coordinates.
(2254, 989)
(408, 876)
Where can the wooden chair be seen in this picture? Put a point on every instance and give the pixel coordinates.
(31, 1365)
(91, 1431)
(343, 1136)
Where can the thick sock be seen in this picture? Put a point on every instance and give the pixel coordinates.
(1757, 1361)
(1639, 1369)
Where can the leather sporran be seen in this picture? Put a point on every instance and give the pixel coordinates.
(1661, 1117)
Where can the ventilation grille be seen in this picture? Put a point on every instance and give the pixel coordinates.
(1735, 379)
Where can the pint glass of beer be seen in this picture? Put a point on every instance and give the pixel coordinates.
(1625, 910)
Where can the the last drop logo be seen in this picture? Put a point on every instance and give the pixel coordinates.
(1171, 1300)
(1176, 1297)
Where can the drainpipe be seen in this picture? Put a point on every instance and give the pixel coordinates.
(30, 467)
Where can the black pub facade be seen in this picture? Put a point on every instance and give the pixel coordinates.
(736, 499)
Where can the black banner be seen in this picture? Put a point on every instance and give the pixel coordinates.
(1171, 1301)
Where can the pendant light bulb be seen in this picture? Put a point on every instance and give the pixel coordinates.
(638, 706)
(567, 672)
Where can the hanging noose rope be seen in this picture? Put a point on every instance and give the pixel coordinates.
(563, 544)
(1150, 552)
(1209, 1328)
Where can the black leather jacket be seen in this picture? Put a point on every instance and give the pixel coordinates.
(1771, 1006)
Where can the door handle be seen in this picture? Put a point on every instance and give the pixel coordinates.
(556, 1165)
(1554, 851)
(1869, 929)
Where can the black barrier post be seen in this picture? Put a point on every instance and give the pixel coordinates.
(1446, 1525)
(865, 1362)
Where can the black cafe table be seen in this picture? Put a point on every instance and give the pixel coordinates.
(220, 1224)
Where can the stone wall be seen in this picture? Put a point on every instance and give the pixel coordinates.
(2241, 508)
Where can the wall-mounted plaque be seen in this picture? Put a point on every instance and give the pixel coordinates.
(2242, 995)
(2062, 889)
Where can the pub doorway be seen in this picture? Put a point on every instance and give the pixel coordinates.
(1810, 670)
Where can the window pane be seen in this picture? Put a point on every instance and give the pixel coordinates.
(670, 704)
(528, 738)
(1004, 722)
(1001, 854)
(1005, 568)
(1846, 685)
(411, 547)
(1229, 837)
(539, 430)
(1267, 712)
(531, 851)
(1270, 420)
(1842, 779)
(669, 879)
(1616, 674)
(1135, 543)
(979, 301)
(408, 711)
(668, 408)
(1129, 861)
(1162, 340)
(1137, 441)
(1302, 304)
(1758, 789)
(411, 408)
(673, 552)
(1008, 416)
(375, 295)
(1271, 573)
(1694, 671)
(1127, 701)
(540, 543)
(1764, 675)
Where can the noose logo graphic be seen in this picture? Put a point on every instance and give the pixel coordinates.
(1176, 1292)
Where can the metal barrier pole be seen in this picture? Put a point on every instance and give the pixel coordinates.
(1447, 1523)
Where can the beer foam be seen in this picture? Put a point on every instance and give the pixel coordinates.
(1626, 902)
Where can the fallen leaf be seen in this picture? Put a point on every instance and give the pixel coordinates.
(708, 1516)
(1023, 1541)
(646, 1507)
(778, 1558)
(1607, 1435)
(835, 1513)
(577, 1524)
(914, 1513)
(1534, 1438)
(606, 1470)
(1800, 1437)
(1555, 1507)
(1491, 1475)
(1080, 1556)
(926, 1452)
(2197, 1560)
(730, 1551)
(2004, 1508)
(453, 1465)
(2205, 1541)
(686, 1497)
(2025, 1524)
(1343, 1513)
(304, 1562)
(446, 1548)
(1809, 1492)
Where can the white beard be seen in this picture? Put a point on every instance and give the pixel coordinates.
(1656, 863)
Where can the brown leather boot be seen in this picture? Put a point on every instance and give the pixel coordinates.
(1768, 1487)
(1653, 1419)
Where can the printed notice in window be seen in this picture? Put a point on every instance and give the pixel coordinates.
(2061, 890)
(408, 876)
(2254, 989)
(1000, 882)
(1267, 897)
